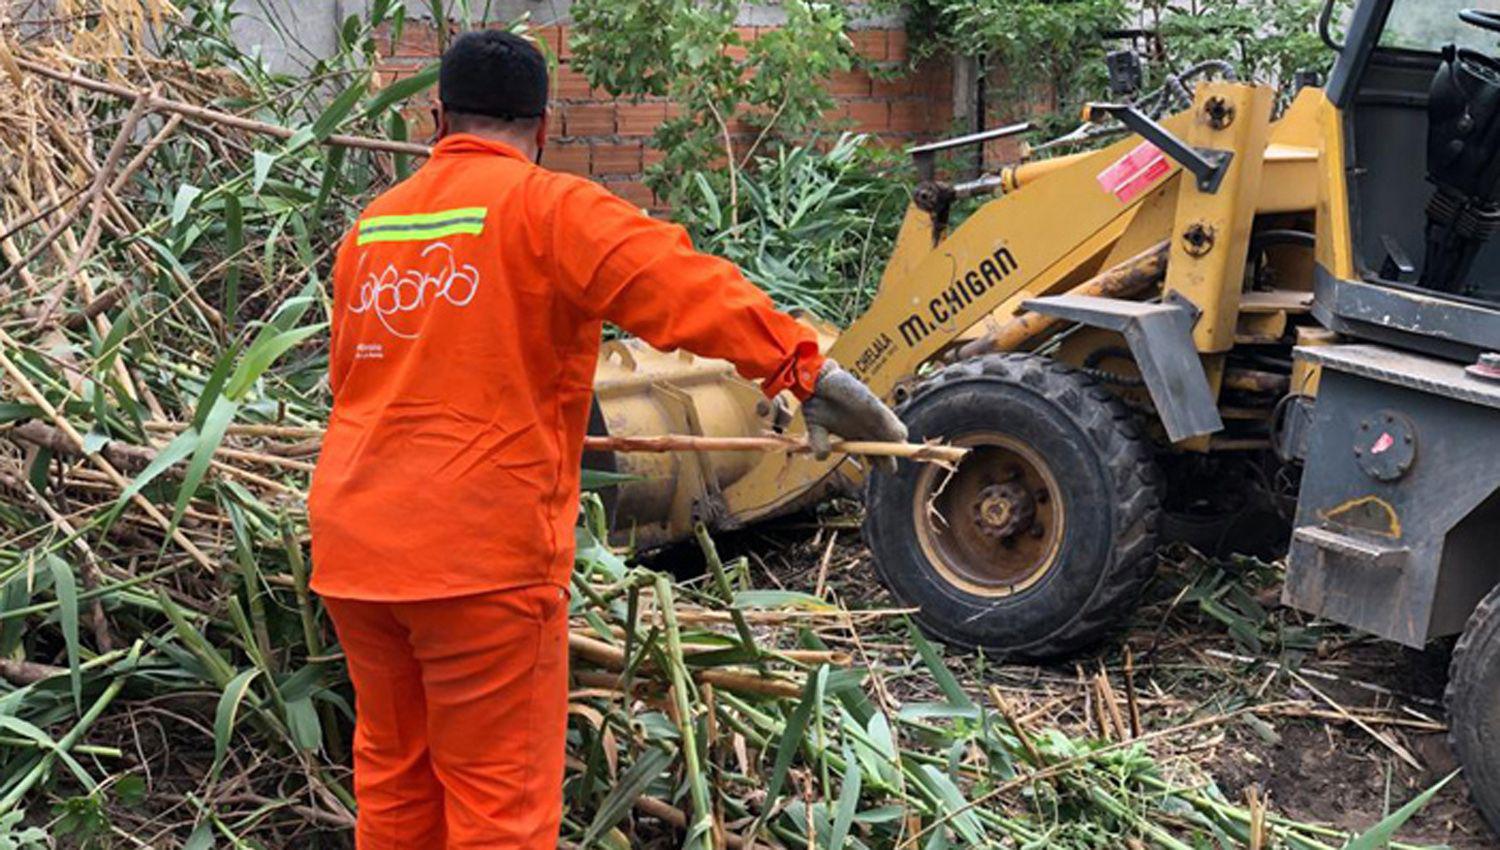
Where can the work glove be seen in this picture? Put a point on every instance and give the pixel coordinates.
(842, 406)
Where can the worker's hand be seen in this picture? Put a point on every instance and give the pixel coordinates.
(843, 406)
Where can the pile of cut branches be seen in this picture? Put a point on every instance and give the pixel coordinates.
(166, 680)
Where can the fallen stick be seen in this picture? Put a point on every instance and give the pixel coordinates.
(683, 443)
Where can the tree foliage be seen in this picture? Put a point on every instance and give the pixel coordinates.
(732, 93)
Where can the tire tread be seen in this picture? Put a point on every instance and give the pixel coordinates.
(1129, 461)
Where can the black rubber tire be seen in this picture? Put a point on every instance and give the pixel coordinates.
(1474, 706)
(1102, 463)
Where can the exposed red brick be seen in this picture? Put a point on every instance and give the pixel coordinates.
(899, 87)
(564, 42)
(895, 46)
(942, 115)
(640, 119)
(933, 78)
(419, 125)
(650, 157)
(615, 159)
(870, 116)
(589, 119)
(870, 44)
(417, 39)
(574, 159)
(551, 36)
(573, 85)
(634, 191)
(747, 34)
(908, 116)
(849, 84)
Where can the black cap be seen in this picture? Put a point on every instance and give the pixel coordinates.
(494, 73)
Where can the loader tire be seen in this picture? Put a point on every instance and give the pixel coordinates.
(1039, 544)
(1474, 706)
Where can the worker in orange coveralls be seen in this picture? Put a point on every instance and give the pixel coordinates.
(467, 308)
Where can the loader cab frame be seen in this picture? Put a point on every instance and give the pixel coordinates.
(1380, 89)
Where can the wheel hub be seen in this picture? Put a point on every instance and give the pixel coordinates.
(993, 526)
(1004, 510)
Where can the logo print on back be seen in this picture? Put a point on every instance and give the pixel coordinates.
(399, 298)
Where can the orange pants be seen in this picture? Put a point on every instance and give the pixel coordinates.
(461, 711)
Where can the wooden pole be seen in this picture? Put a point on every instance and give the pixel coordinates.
(683, 443)
(659, 444)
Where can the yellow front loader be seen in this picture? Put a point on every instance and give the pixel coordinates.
(1224, 301)
(1042, 538)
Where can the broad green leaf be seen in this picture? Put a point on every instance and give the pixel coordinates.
(302, 720)
(11, 411)
(263, 162)
(1381, 834)
(338, 110)
(67, 615)
(209, 396)
(170, 454)
(260, 357)
(792, 734)
(207, 655)
(109, 349)
(955, 807)
(202, 837)
(780, 599)
(228, 712)
(401, 90)
(848, 800)
(214, 428)
(183, 202)
(598, 479)
(27, 730)
(234, 243)
(627, 790)
(941, 675)
(94, 440)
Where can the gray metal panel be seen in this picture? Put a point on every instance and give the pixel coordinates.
(1444, 325)
(1364, 34)
(1401, 368)
(1386, 556)
(1160, 337)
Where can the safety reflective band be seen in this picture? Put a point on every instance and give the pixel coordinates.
(421, 227)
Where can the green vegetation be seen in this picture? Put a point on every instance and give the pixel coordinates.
(167, 681)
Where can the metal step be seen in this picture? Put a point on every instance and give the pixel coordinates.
(1362, 549)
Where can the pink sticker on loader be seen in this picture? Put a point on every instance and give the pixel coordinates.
(1135, 172)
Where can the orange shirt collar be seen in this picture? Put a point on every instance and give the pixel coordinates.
(459, 144)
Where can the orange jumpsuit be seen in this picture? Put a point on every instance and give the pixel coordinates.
(467, 309)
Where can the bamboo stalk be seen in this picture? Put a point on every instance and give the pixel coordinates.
(98, 460)
(685, 443)
(214, 116)
(665, 443)
(613, 658)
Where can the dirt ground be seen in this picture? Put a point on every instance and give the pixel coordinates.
(1319, 769)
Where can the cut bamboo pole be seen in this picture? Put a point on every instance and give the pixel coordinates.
(918, 452)
(663, 443)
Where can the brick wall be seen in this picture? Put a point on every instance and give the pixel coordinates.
(608, 140)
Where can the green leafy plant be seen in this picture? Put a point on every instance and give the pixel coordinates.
(811, 227)
(1268, 40)
(732, 94)
(14, 836)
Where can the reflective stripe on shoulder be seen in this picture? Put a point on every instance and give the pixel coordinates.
(421, 227)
